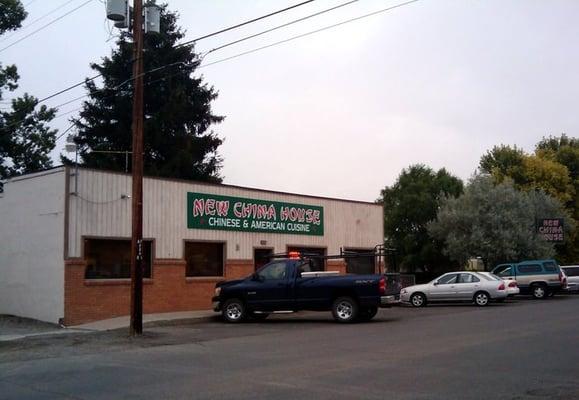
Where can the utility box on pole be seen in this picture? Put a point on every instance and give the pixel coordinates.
(152, 18)
(117, 10)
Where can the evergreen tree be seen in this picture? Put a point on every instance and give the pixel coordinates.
(178, 140)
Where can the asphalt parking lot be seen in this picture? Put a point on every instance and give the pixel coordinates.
(522, 349)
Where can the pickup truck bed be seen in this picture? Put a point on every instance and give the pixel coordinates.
(289, 285)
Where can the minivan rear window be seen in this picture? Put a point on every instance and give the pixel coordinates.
(529, 269)
(571, 271)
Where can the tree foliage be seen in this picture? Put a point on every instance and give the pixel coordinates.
(178, 140)
(409, 205)
(495, 222)
(553, 168)
(25, 138)
(12, 14)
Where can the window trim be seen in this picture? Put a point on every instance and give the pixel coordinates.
(116, 281)
(209, 278)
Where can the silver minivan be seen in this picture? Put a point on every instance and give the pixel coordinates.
(572, 272)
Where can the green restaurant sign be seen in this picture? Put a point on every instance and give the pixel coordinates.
(211, 211)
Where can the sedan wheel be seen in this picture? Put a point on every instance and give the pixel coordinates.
(418, 300)
(481, 299)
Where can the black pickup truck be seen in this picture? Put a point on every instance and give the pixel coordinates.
(289, 285)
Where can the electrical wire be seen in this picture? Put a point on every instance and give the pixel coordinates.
(309, 33)
(227, 45)
(64, 133)
(280, 26)
(45, 26)
(249, 51)
(182, 44)
(244, 23)
(37, 20)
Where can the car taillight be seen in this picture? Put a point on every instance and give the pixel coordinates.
(512, 284)
(382, 285)
(502, 286)
(560, 277)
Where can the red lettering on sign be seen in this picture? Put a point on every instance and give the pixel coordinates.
(198, 207)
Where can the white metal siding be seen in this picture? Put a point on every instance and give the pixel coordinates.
(31, 246)
(99, 210)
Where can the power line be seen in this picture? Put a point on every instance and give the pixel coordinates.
(210, 51)
(37, 20)
(183, 44)
(64, 133)
(69, 88)
(45, 26)
(240, 54)
(243, 23)
(281, 26)
(309, 33)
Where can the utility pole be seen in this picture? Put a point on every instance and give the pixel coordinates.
(136, 325)
(120, 12)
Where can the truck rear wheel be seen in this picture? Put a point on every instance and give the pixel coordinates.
(345, 309)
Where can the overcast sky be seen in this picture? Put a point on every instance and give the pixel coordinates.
(341, 112)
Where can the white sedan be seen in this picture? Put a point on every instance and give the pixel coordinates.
(511, 284)
(455, 286)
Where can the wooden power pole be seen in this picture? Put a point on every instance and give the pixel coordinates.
(136, 325)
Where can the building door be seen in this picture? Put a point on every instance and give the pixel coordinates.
(261, 257)
(362, 265)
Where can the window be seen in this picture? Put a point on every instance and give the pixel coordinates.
(273, 271)
(529, 269)
(468, 278)
(505, 270)
(571, 271)
(448, 279)
(111, 258)
(363, 264)
(261, 257)
(550, 267)
(305, 267)
(318, 264)
(204, 259)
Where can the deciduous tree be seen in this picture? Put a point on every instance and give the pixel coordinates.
(409, 205)
(496, 222)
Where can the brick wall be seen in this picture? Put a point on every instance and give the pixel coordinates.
(168, 291)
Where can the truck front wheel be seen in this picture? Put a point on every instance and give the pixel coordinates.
(234, 311)
(345, 309)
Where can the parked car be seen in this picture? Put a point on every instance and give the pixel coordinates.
(540, 278)
(572, 272)
(511, 284)
(455, 286)
(289, 285)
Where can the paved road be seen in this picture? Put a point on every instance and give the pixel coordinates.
(519, 350)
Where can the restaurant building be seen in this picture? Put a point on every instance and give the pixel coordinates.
(65, 240)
